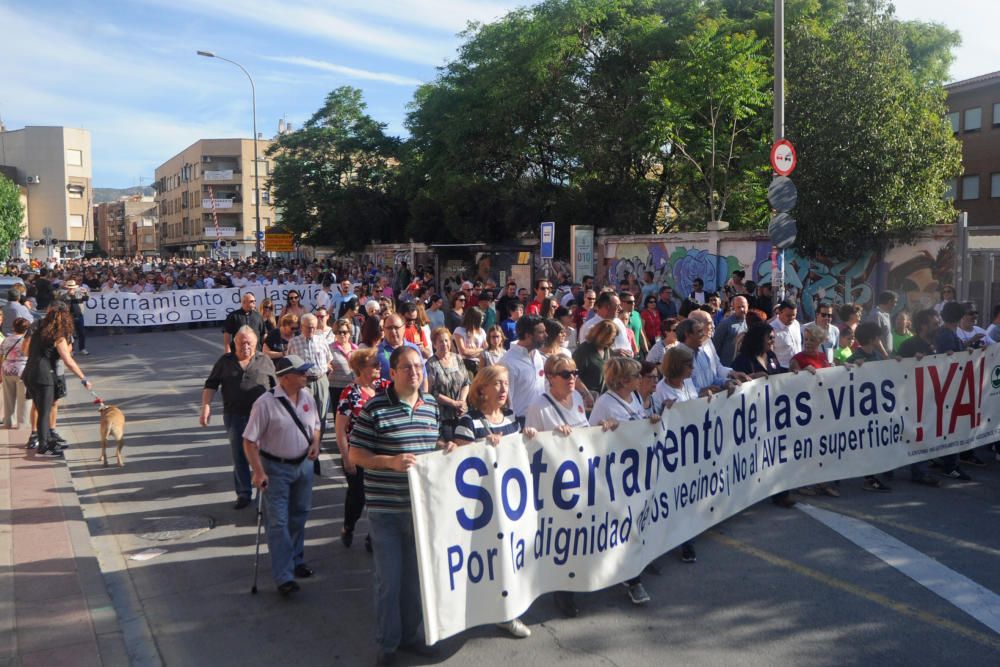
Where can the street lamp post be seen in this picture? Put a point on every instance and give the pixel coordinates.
(256, 163)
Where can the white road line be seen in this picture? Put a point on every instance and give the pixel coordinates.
(975, 600)
(201, 340)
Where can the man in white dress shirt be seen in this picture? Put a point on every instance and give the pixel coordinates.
(787, 333)
(525, 365)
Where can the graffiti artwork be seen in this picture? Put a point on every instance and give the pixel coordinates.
(916, 271)
(916, 274)
(677, 266)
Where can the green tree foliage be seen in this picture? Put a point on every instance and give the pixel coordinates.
(11, 215)
(335, 179)
(868, 124)
(713, 109)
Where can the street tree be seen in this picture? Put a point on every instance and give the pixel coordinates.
(334, 180)
(11, 215)
(713, 100)
(867, 120)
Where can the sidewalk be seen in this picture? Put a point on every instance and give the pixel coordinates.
(54, 607)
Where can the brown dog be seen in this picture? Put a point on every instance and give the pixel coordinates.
(112, 425)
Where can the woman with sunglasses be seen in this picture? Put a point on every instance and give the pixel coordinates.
(341, 374)
(349, 311)
(323, 329)
(756, 355)
(453, 318)
(650, 319)
(266, 310)
(276, 341)
(367, 373)
(560, 409)
(489, 420)
(293, 304)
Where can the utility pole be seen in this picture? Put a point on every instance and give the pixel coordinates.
(778, 270)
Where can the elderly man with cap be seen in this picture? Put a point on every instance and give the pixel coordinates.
(280, 441)
(13, 310)
(243, 377)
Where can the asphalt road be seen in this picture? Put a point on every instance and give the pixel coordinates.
(771, 586)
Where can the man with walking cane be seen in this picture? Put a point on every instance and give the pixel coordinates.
(281, 441)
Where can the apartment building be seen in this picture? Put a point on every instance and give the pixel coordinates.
(205, 195)
(53, 165)
(127, 227)
(974, 113)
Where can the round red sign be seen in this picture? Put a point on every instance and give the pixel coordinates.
(783, 158)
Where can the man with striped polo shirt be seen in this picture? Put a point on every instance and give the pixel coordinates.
(389, 432)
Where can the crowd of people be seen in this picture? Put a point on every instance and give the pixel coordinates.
(418, 370)
(395, 365)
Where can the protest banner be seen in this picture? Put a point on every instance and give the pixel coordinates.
(124, 309)
(498, 527)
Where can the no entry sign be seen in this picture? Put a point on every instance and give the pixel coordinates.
(783, 157)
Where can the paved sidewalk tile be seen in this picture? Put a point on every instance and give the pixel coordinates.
(57, 604)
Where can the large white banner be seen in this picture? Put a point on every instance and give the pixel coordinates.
(124, 309)
(498, 527)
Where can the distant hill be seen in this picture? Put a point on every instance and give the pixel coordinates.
(113, 194)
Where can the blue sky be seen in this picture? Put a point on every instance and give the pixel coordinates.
(127, 71)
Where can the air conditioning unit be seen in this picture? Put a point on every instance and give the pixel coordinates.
(33, 180)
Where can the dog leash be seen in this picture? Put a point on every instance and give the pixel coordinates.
(98, 401)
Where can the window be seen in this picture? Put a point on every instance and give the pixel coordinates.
(148, 238)
(953, 119)
(970, 187)
(74, 157)
(996, 115)
(973, 119)
(995, 186)
(952, 190)
(75, 193)
(75, 220)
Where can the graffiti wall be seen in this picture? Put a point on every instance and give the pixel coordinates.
(676, 263)
(915, 271)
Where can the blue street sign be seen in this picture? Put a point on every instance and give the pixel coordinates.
(259, 235)
(548, 240)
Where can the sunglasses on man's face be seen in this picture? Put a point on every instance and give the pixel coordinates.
(565, 375)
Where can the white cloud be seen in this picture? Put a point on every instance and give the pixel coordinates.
(318, 21)
(350, 72)
(446, 15)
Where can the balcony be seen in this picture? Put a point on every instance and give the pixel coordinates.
(218, 203)
(223, 175)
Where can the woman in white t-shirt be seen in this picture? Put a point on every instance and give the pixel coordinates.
(560, 409)
(621, 402)
(677, 387)
(470, 338)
